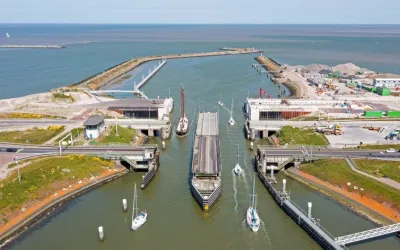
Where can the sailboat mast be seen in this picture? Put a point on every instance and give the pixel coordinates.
(182, 103)
(238, 155)
(133, 203)
(135, 199)
(232, 108)
(254, 185)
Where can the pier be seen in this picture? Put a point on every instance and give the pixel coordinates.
(206, 162)
(305, 220)
(101, 79)
(140, 158)
(32, 47)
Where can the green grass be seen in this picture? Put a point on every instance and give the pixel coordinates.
(40, 177)
(62, 96)
(75, 134)
(17, 115)
(125, 136)
(126, 77)
(34, 136)
(293, 136)
(391, 169)
(382, 146)
(338, 173)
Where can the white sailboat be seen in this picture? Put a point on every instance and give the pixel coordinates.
(7, 35)
(231, 121)
(183, 122)
(137, 219)
(237, 169)
(252, 218)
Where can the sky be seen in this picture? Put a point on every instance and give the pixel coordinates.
(201, 11)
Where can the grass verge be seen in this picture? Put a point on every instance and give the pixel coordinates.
(378, 168)
(62, 96)
(338, 173)
(293, 136)
(125, 136)
(381, 146)
(75, 134)
(31, 136)
(17, 115)
(42, 176)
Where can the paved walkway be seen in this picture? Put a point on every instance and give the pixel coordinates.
(386, 181)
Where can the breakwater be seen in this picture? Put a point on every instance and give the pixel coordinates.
(32, 47)
(104, 78)
(274, 69)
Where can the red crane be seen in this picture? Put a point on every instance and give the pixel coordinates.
(262, 91)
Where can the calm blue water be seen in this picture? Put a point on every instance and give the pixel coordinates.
(92, 48)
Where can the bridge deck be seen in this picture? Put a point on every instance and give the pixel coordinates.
(206, 145)
(369, 234)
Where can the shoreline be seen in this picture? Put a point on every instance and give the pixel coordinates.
(357, 207)
(273, 69)
(33, 215)
(104, 78)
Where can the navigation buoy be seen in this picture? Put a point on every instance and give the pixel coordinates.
(163, 144)
(124, 205)
(101, 233)
(251, 145)
(284, 186)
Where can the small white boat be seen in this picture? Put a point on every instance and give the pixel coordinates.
(140, 218)
(237, 169)
(231, 121)
(7, 35)
(252, 218)
(183, 123)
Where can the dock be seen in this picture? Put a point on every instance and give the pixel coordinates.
(305, 219)
(206, 163)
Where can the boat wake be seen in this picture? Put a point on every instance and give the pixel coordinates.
(235, 191)
(264, 229)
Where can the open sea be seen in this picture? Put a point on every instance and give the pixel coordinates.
(93, 48)
(175, 220)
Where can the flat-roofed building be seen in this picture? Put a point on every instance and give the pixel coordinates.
(94, 126)
(387, 82)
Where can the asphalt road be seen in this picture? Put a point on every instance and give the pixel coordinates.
(272, 151)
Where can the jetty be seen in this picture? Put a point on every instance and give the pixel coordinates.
(32, 47)
(100, 80)
(305, 219)
(206, 163)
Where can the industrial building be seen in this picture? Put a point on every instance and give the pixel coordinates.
(156, 109)
(387, 82)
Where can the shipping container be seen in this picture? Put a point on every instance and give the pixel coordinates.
(373, 113)
(393, 114)
(383, 91)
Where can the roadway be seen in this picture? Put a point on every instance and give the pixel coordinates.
(323, 153)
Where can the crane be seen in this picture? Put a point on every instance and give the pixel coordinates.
(262, 91)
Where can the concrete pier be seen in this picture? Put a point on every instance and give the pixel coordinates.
(304, 220)
(151, 73)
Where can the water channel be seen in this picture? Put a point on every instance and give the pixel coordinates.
(175, 220)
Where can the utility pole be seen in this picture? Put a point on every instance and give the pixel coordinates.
(116, 127)
(19, 175)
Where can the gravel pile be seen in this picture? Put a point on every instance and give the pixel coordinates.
(314, 68)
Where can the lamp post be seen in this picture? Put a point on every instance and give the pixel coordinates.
(16, 162)
(116, 127)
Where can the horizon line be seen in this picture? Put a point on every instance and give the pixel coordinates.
(92, 23)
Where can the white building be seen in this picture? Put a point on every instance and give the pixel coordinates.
(94, 126)
(387, 82)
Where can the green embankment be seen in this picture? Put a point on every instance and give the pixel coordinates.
(44, 176)
(125, 136)
(62, 96)
(338, 173)
(390, 169)
(75, 134)
(31, 136)
(298, 136)
(381, 146)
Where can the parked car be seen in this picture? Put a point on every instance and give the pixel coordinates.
(11, 150)
(390, 150)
